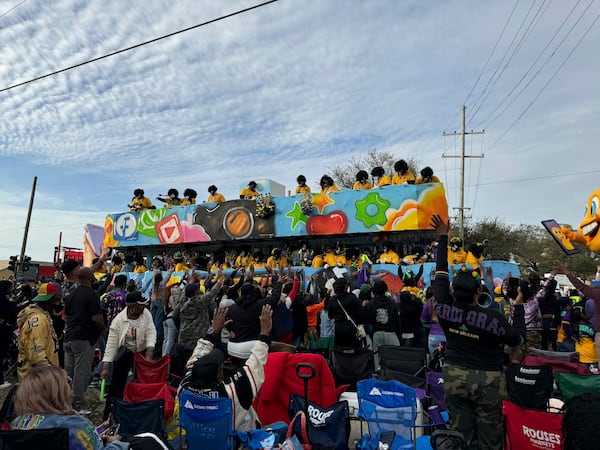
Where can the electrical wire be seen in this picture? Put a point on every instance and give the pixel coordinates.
(547, 83)
(486, 63)
(512, 55)
(108, 55)
(530, 68)
(12, 9)
(543, 177)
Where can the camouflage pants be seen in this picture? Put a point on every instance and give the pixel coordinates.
(533, 338)
(474, 399)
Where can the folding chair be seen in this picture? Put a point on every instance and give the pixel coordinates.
(404, 364)
(556, 364)
(139, 392)
(388, 406)
(350, 365)
(561, 356)
(151, 371)
(527, 429)
(40, 439)
(529, 386)
(139, 417)
(208, 422)
(570, 384)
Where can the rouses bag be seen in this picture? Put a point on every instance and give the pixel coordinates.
(327, 428)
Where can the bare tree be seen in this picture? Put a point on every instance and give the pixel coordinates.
(345, 176)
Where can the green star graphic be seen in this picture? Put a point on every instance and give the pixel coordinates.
(296, 215)
(380, 204)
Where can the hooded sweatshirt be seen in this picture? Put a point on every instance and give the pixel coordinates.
(383, 315)
(38, 344)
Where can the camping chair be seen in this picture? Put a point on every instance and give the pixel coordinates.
(527, 429)
(207, 421)
(139, 392)
(350, 365)
(40, 439)
(139, 417)
(570, 384)
(561, 356)
(529, 386)
(151, 371)
(388, 406)
(556, 364)
(404, 364)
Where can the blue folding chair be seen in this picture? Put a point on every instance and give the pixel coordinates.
(208, 422)
(387, 406)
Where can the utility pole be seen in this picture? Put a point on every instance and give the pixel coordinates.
(462, 156)
(24, 246)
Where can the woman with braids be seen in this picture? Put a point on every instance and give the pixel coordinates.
(473, 378)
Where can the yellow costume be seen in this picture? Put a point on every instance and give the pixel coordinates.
(182, 267)
(217, 198)
(248, 194)
(403, 179)
(303, 189)
(140, 268)
(186, 202)
(137, 204)
(274, 263)
(457, 257)
(434, 179)
(317, 262)
(244, 261)
(358, 186)
(38, 344)
(384, 180)
(389, 257)
(328, 189)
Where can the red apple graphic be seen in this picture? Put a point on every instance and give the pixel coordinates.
(335, 222)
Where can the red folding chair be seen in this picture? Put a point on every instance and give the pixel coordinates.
(151, 371)
(527, 429)
(139, 392)
(557, 365)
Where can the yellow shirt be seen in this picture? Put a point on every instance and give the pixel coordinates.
(403, 179)
(182, 267)
(434, 179)
(244, 261)
(458, 257)
(140, 203)
(187, 201)
(358, 186)
(317, 262)
(383, 181)
(303, 189)
(389, 257)
(217, 198)
(275, 263)
(329, 189)
(248, 194)
(140, 269)
(260, 264)
(473, 261)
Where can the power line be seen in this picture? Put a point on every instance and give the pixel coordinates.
(487, 61)
(11, 9)
(108, 55)
(532, 66)
(512, 55)
(544, 177)
(547, 83)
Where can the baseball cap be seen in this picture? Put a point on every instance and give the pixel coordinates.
(69, 266)
(46, 292)
(135, 297)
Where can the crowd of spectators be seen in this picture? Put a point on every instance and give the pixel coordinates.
(202, 319)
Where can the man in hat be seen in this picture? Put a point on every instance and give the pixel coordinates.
(85, 324)
(38, 344)
(131, 331)
(204, 375)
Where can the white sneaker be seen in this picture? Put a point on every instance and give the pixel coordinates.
(5, 385)
(84, 412)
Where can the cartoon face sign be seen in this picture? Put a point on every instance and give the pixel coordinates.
(588, 228)
(564, 240)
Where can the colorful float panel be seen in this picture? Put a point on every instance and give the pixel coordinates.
(385, 209)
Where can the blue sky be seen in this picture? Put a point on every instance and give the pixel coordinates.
(293, 87)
